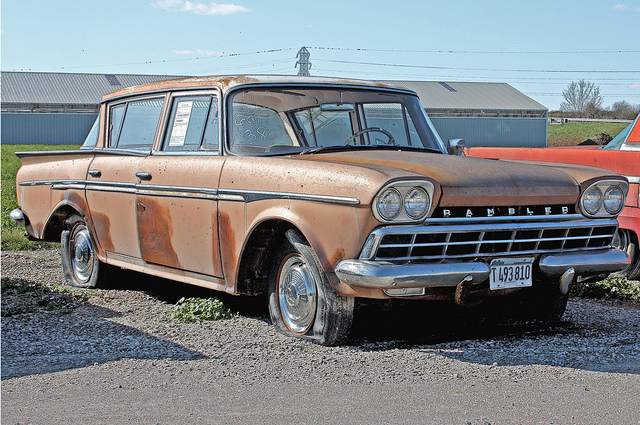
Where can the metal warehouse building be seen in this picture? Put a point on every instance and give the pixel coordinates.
(59, 108)
(485, 114)
(56, 108)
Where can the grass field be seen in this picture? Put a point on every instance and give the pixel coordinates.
(573, 133)
(12, 235)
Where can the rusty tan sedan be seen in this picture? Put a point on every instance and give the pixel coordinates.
(316, 192)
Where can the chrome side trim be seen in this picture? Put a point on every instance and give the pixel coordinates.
(254, 195)
(187, 192)
(633, 179)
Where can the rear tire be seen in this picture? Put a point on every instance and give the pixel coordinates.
(302, 302)
(80, 264)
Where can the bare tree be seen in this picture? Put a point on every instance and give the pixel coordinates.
(581, 97)
(624, 110)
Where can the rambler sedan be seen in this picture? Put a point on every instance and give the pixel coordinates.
(316, 192)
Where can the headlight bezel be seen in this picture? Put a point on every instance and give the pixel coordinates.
(605, 188)
(404, 189)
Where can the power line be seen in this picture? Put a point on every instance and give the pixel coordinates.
(475, 77)
(483, 52)
(395, 65)
(222, 55)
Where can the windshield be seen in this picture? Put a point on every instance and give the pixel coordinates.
(295, 119)
(616, 142)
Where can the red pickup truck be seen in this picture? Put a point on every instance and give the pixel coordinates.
(621, 155)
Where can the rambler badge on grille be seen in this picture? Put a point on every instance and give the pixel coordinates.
(504, 211)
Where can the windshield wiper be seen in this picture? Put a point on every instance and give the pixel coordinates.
(333, 148)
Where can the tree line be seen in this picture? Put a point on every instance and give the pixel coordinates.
(582, 99)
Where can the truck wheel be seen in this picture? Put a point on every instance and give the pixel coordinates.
(625, 241)
(80, 264)
(302, 302)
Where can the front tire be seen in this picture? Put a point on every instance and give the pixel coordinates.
(302, 302)
(628, 242)
(80, 264)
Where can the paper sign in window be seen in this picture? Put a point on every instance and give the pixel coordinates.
(181, 123)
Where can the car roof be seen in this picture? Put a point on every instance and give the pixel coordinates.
(226, 83)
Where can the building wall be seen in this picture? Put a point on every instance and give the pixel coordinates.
(45, 128)
(69, 128)
(515, 132)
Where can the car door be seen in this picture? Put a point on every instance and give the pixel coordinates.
(177, 195)
(111, 179)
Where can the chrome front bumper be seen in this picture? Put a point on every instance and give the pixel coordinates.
(385, 275)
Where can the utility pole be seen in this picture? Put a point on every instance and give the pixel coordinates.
(304, 63)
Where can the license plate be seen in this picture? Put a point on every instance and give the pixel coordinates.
(510, 273)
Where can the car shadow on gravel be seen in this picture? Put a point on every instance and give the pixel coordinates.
(45, 343)
(171, 291)
(601, 343)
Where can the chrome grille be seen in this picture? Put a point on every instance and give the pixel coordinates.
(483, 238)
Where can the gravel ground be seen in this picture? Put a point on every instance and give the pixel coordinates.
(116, 352)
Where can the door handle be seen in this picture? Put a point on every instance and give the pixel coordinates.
(95, 173)
(143, 176)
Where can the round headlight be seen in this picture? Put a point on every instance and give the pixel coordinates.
(592, 200)
(389, 204)
(416, 202)
(613, 200)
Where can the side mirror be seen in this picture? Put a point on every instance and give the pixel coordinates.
(456, 146)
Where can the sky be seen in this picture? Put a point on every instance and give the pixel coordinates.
(538, 47)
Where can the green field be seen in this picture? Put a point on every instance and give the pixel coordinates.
(574, 133)
(12, 235)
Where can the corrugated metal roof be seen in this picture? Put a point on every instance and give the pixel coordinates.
(66, 88)
(70, 88)
(456, 95)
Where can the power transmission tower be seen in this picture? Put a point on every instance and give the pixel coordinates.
(304, 63)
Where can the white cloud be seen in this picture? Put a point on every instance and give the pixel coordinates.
(201, 8)
(635, 85)
(623, 7)
(198, 52)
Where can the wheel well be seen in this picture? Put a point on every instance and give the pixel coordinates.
(253, 269)
(55, 225)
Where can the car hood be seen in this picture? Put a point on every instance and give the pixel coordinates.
(468, 181)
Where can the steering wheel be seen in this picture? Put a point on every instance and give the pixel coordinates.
(391, 140)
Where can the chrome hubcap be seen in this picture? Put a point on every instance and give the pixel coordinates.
(297, 295)
(82, 256)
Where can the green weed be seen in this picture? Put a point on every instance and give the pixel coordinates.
(195, 310)
(612, 288)
(21, 296)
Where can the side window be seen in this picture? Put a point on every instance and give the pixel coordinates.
(92, 138)
(211, 132)
(140, 124)
(115, 123)
(193, 122)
